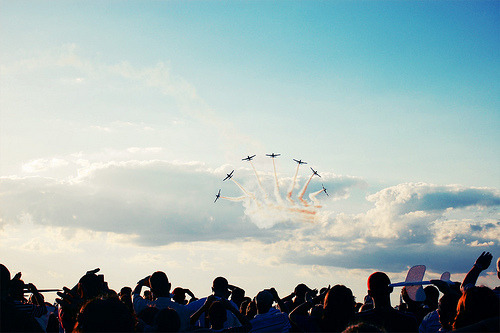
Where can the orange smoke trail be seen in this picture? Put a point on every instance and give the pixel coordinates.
(301, 194)
(249, 194)
(258, 180)
(312, 196)
(289, 195)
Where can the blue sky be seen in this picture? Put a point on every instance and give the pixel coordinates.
(396, 103)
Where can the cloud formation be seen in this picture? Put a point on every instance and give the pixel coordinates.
(157, 202)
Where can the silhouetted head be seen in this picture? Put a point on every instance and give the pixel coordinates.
(339, 299)
(251, 310)
(159, 284)
(447, 310)
(4, 281)
(17, 289)
(148, 314)
(179, 295)
(431, 297)
(108, 315)
(217, 314)
(90, 286)
(475, 305)
(378, 285)
(219, 287)
(264, 301)
(167, 320)
(125, 291)
(338, 309)
(237, 295)
(301, 290)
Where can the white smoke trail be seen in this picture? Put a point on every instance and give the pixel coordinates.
(289, 195)
(312, 196)
(277, 186)
(235, 199)
(258, 180)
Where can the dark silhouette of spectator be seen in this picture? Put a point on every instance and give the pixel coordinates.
(367, 304)
(237, 295)
(476, 305)
(88, 287)
(251, 310)
(167, 320)
(338, 311)
(105, 315)
(217, 309)
(300, 292)
(382, 314)
(417, 308)
(179, 295)
(125, 296)
(431, 298)
(269, 319)
(244, 305)
(160, 288)
(147, 316)
(148, 295)
(447, 311)
(220, 291)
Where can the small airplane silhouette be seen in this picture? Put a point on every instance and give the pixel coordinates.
(324, 190)
(273, 155)
(217, 196)
(315, 173)
(228, 175)
(248, 158)
(299, 161)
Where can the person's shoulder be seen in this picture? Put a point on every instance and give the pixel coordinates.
(196, 304)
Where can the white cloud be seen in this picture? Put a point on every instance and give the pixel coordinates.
(155, 203)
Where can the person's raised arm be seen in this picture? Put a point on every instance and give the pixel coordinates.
(277, 299)
(482, 263)
(195, 316)
(191, 295)
(38, 299)
(245, 323)
(141, 283)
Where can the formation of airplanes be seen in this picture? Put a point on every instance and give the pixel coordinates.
(272, 155)
(228, 176)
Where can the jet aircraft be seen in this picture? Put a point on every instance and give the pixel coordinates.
(248, 158)
(324, 190)
(315, 173)
(217, 196)
(228, 175)
(299, 161)
(273, 155)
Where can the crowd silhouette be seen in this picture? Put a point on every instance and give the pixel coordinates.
(90, 306)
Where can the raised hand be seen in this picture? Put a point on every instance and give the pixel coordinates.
(483, 261)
